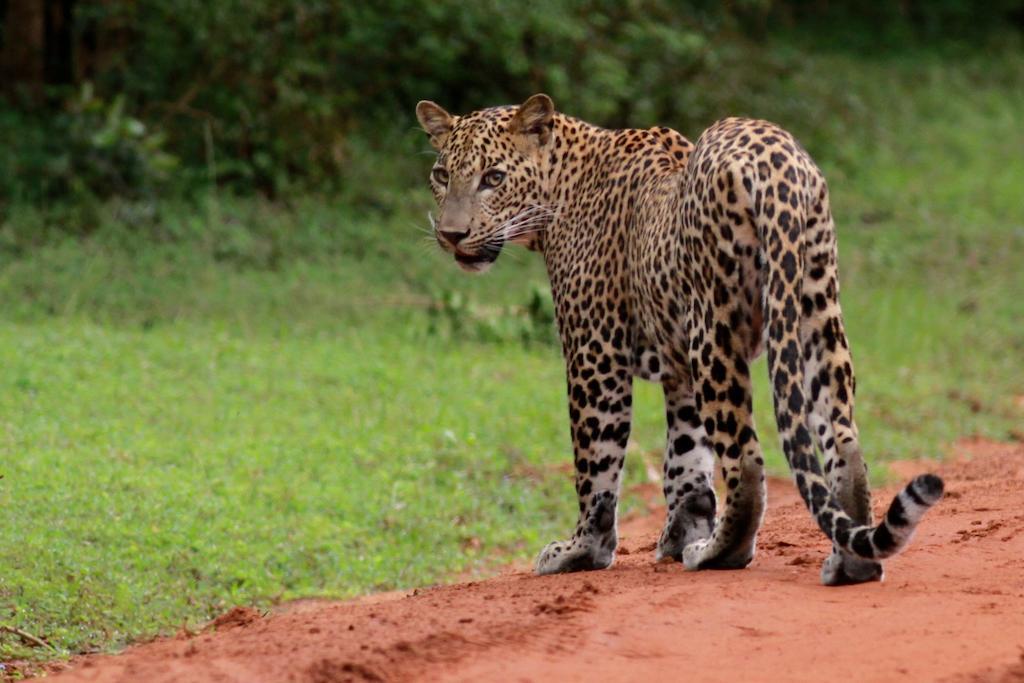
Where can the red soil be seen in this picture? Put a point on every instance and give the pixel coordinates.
(950, 609)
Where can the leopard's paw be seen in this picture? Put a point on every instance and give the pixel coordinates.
(691, 521)
(561, 557)
(693, 554)
(717, 553)
(840, 569)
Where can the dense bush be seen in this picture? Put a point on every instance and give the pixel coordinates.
(267, 94)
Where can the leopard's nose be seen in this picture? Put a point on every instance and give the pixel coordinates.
(453, 238)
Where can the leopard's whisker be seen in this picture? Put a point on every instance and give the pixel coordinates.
(532, 219)
(420, 228)
(528, 222)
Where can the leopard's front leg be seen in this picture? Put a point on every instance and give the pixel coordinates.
(600, 412)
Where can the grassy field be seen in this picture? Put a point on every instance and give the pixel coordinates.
(244, 402)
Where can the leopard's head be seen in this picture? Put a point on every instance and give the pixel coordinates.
(490, 179)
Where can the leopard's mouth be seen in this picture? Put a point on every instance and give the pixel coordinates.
(480, 260)
(472, 259)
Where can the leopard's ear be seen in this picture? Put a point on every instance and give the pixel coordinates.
(535, 117)
(436, 121)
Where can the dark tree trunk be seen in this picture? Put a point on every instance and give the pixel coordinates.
(59, 65)
(22, 45)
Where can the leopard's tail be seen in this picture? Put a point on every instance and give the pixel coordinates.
(782, 237)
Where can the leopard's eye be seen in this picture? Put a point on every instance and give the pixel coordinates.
(492, 179)
(440, 176)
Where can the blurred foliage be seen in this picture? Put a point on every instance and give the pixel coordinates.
(278, 95)
(454, 316)
(97, 150)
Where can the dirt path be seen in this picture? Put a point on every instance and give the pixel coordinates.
(950, 609)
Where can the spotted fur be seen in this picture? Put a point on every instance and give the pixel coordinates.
(680, 264)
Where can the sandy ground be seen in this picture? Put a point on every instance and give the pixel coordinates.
(950, 609)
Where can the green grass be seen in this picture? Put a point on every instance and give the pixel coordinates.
(160, 474)
(240, 402)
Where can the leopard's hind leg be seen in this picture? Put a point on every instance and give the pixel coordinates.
(724, 328)
(688, 474)
(830, 383)
(724, 401)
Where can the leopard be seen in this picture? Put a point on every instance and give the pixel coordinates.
(679, 263)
